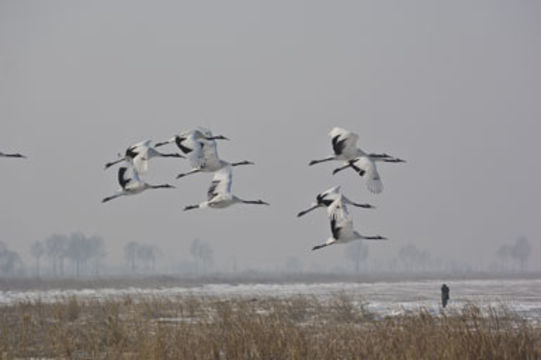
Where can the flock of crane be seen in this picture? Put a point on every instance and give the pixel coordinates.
(199, 147)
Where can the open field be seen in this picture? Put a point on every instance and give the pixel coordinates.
(383, 296)
(295, 327)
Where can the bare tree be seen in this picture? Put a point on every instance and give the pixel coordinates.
(130, 254)
(202, 254)
(413, 258)
(37, 250)
(518, 253)
(521, 251)
(97, 251)
(147, 254)
(10, 261)
(293, 264)
(357, 252)
(77, 251)
(504, 254)
(55, 250)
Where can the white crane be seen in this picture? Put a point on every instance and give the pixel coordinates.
(344, 144)
(132, 185)
(205, 158)
(366, 168)
(345, 148)
(327, 197)
(199, 145)
(342, 227)
(219, 193)
(12, 155)
(139, 154)
(188, 141)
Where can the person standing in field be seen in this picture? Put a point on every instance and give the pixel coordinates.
(444, 295)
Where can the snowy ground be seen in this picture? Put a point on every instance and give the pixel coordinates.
(382, 298)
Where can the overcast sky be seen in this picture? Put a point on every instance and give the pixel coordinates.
(452, 87)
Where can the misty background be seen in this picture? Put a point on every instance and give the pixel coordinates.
(454, 88)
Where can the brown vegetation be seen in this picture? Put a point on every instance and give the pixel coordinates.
(267, 328)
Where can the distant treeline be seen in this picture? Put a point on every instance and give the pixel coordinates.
(78, 255)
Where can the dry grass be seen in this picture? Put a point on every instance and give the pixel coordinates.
(269, 328)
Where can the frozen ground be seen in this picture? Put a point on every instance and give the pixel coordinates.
(382, 298)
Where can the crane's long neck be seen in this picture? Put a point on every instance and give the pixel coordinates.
(348, 201)
(304, 212)
(359, 236)
(193, 171)
(12, 155)
(109, 198)
(177, 155)
(313, 162)
(197, 206)
(385, 157)
(165, 142)
(245, 162)
(329, 241)
(162, 186)
(109, 164)
(317, 247)
(254, 202)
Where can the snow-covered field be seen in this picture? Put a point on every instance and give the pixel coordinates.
(382, 298)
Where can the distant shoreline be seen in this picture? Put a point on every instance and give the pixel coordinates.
(165, 281)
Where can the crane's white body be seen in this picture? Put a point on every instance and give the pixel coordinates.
(199, 146)
(344, 144)
(219, 194)
(369, 172)
(342, 226)
(189, 141)
(131, 185)
(204, 155)
(327, 197)
(138, 155)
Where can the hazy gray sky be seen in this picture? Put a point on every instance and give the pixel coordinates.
(453, 87)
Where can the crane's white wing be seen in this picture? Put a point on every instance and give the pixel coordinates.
(328, 196)
(210, 153)
(344, 142)
(135, 175)
(341, 221)
(140, 162)
(144, 143)
(128, 177)
(332, 191)
(338, 210)
(204, 131)
(192, 148)
(221, 183)
(198, 133)
(370, 173)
